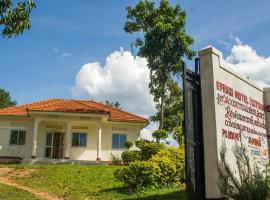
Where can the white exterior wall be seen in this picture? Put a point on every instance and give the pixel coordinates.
(8, 124)
(88, 153)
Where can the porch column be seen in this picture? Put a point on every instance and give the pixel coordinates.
(99, 130)
(35, 133)
(67, 141)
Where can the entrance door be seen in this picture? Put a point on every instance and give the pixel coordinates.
(54, 145)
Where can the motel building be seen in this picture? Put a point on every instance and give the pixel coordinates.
(64, 130)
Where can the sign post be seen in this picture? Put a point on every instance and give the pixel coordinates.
(222, 107)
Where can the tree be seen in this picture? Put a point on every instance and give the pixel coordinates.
(15, 19)
(5, 99)
(178, 135)
(113, 104)
(164, 43)
(173, 107)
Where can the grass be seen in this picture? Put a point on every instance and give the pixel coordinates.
(78, 182)
(12, 193)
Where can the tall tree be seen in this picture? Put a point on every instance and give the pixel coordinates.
(173, 107)
(5, 99)
(15, 19)
(164, 43)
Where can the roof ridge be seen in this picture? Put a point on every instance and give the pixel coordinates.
(79, 101)
(118, 109)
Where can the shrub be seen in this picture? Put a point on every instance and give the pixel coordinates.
(128, 144)
(142, 142)
(130, 156)
(116, 159)
(148, 148)
(160, 134)
(164, 169)
(139, 174)
(251, 184)
(168, 172)
(176, 157)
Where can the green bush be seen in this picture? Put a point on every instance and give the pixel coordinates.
(142, 142)
(128, 144)
(176, 158)
(164, 169)
(160, 134)
(139, 174)
(148, 148)
(130, 156)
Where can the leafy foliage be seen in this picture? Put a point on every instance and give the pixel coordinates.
(164, 43)
(160, 134)
(15, 19)
(128, 144)
(113, 104)
(165, 169)
(131, 156)
(250, 184)
(5, 99)
(148, 148)
(173, 107)
(139, 174)
(178, 135)
(172, 164)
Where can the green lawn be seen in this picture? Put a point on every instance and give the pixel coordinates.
(12, 193)
(78, 182)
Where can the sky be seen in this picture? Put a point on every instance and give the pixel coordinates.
(78, 49)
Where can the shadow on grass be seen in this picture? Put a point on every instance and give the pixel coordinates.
(165, 194)
(176, 195)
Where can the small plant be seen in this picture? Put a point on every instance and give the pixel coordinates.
(249, 184)
(116, 159)
(128, 144)
(131, 156)
(160, 134)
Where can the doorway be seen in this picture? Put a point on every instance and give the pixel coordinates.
(54, 145)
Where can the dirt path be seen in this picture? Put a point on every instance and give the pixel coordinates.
(5, 178)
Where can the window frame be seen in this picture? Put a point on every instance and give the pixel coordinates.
(79, 145)
(119, 141)
(19, 132)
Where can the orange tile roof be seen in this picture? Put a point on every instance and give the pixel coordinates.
(72, 106)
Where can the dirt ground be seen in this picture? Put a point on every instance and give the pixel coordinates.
(5, 178)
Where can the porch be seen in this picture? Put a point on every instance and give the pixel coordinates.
(63, 140)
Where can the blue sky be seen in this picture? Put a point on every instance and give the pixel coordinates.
(66, 34)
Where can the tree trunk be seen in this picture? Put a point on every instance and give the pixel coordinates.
(161, 120)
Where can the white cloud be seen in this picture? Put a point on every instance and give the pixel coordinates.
(123, 78)
(245, 60)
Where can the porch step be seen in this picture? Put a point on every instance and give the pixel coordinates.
(10, 160)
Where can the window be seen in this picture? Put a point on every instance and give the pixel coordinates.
(79, 139)
(17, 137)
(118, 141)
